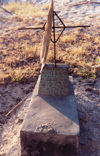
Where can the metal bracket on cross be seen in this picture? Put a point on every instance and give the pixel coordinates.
(54, 27)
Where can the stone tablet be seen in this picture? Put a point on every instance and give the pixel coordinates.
(54, 81)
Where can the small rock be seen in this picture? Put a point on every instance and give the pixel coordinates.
(89, 89)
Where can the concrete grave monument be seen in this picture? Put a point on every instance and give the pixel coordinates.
(51, 126)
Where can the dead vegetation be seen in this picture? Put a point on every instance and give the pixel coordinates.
(26, 10)
(20, 50)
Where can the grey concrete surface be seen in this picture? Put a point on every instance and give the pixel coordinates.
(59, 113)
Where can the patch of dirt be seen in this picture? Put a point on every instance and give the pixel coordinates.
(89, 115)
(11, 95)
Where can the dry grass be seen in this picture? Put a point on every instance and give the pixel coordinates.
(20, 50)
(19, 56)
(80, 50)
(26, 10)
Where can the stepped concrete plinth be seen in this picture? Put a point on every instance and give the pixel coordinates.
(51, 126)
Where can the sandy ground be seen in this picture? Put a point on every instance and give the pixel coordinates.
(75, 12)
(87, 94)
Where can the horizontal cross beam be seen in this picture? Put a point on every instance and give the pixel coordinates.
(42, 28)
(56, 27)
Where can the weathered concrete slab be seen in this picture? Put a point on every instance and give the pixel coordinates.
(51, 126)
(56, 113)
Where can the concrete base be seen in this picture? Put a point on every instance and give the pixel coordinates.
(51, 127)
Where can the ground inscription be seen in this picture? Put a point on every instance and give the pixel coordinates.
(54, 81)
